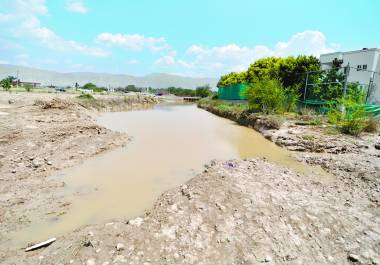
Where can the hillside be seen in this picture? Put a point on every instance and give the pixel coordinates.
(46, 77)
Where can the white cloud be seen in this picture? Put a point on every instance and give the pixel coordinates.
(135, 42)
(23, 22)
(232, 57)
(308, 43)
(76, 6)
(170, 60)
(166, 60)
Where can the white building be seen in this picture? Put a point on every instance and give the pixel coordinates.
(364, 68)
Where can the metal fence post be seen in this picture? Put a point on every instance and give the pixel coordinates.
(347, 72)
(307, 79)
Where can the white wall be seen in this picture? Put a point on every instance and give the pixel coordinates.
(368, 57)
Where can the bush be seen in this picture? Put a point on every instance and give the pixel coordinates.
(28, 87)
(267, 96)
(350, 117)
(372, 125)
(86, 97)
(274, 122)
(291, 99)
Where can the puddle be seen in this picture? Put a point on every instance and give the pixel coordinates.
(170, 144)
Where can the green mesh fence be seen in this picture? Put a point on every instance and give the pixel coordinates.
(234, 92)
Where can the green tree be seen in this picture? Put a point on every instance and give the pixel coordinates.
(203, 91)
(6, 83)
(329, 85)
(90, 86)
(232, 79)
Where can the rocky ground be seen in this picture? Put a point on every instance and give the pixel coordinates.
(41, 134)
(255, 213)
(355, 161)
(235, 212)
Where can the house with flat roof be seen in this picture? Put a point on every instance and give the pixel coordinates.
(364, 68)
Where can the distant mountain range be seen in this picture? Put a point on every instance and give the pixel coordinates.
(46, 77)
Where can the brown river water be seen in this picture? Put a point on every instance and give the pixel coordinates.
(169, 145)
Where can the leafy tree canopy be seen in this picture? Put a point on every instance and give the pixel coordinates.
(203, 91)
(290, 71)
(6, 83)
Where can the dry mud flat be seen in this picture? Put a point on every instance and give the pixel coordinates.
(236, 212)
(41, 134)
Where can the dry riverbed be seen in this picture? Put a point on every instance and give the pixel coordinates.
(235, 212)
(41, 134)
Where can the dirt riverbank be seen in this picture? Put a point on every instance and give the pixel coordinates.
(256, 213)
(41, 134)
(354, 160)
(244, 211)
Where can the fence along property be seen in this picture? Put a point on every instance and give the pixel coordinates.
(370, 90)
(236, 92)
(233, 92)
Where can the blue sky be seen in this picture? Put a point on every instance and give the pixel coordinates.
(194, 38)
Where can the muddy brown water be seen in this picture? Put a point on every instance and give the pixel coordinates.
(169, 145)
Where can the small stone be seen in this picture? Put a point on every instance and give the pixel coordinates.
(119, 258)
(137, 221)
(49, 163)
(268, 259)
(353, 257)
(90, 233)
(36, 163)
(377, 146)
(13, 171)
(119, 246)
(90, 262)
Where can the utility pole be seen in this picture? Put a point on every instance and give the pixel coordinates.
(17, 81)
(369, 90)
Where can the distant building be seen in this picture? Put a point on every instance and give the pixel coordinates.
(364, 68)
(20, 83)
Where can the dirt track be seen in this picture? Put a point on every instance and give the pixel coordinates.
(236, 212)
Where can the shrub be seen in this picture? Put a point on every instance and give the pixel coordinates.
(349, 117)
(306, 111)
(372, 125)
(267, 96)
(291, 99)
(28, 87)
(274, 122)
(86, 97)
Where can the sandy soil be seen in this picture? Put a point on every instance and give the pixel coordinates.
(235, 212)
(256, 213)
(41, 134)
